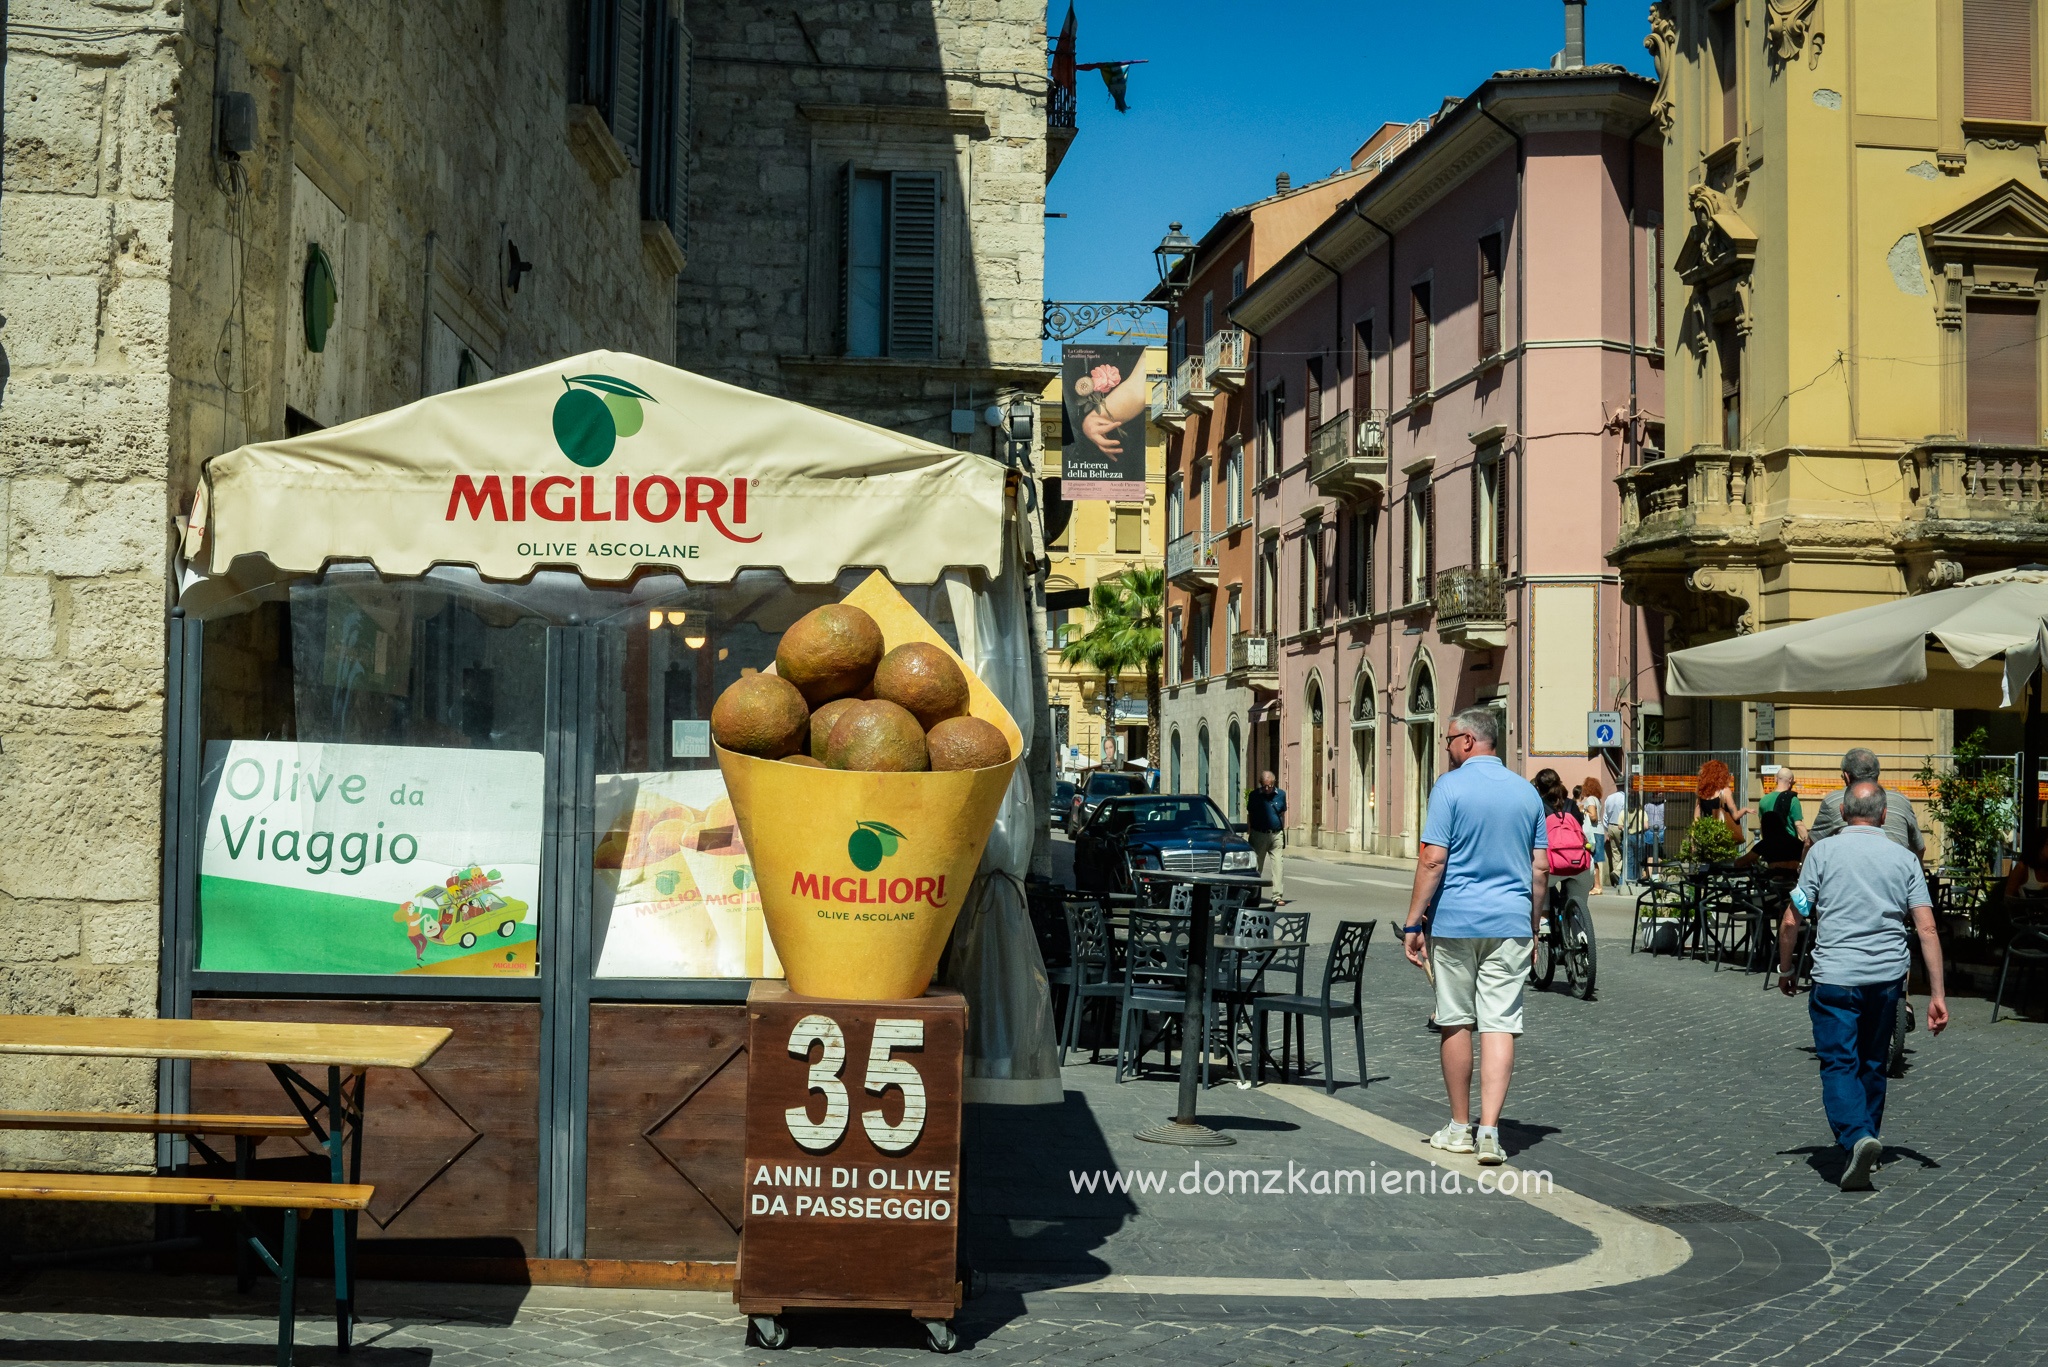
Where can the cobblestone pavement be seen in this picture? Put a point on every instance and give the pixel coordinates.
(1679, 1090)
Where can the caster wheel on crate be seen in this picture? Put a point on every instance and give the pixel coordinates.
(768, 1331)
(939, 1334)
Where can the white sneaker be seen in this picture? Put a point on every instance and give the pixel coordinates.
(1491, 1154)
(1453, 1138)
(1862, 1160)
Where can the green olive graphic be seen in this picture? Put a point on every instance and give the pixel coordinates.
(584, 428)
(864, 848)
(627, 415)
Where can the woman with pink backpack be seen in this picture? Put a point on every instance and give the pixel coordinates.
(1571, 860)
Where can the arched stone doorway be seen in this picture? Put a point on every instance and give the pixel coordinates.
(1312, 760)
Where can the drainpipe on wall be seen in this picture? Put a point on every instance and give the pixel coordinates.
(1632, 617)
(1387, 679)
(1522, 647)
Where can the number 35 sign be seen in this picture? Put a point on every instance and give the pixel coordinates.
(853, 1151)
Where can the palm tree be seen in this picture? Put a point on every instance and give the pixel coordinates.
(1126, 632)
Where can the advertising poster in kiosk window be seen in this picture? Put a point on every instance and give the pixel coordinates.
(675, 892)
(1107, 408)
(370, 859)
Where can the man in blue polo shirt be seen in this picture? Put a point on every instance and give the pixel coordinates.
(1479, 890)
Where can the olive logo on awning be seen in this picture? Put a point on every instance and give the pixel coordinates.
(589, 421)
(870, 843)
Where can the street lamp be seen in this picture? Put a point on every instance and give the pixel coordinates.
(1172, 250)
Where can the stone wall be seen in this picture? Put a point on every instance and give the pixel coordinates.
(151, 291)
(782, 99)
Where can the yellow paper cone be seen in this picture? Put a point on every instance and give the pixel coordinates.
(863, 874)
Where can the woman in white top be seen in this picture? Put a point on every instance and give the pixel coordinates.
(1590, 823)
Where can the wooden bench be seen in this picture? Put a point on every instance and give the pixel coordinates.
(127, 1122)
(296, 1199)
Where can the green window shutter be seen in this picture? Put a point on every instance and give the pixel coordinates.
(913, 320)
(629, 76)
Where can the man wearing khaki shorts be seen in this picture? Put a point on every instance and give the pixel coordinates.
(1478, 898)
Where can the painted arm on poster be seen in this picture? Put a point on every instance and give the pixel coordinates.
(1121, 401)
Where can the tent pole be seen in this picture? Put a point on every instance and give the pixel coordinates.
(2036, 740)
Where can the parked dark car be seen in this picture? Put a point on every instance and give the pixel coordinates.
(1062, 803)
(1098, 787)
(1183, 832)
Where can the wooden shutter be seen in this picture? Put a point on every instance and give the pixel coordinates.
(1301, 587)
(658, 111)
(1998, 59)
(628, 75)
(599, 20)
(840, 330)
(1489, 296)
(1727, 47)
(1478, 504)
(913, 326)
(1500, 510)
(1315, 392)
(1657, 290)
(1418, 342)
(1361, 371)
(1428, 496)
(679, 151)
(2003, 375)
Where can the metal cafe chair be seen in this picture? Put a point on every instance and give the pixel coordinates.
(2029, 944)
(1343, 969)
(1154, 980)
(1090, 973)
(1286, 971)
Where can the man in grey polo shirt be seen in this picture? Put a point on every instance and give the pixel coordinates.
(1861, 891)
(1861, 766)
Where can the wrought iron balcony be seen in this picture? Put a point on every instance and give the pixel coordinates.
(1226, 358)
(1471, 606)
(1191, 562)
(1348, 463)
(1254, 659)
(1192, 387)
(1166, 409)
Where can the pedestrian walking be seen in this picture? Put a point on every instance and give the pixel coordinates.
(1592, 824)
(1266, 826)
(1861, 765)
(1652, 834)
(1613, 811)
(1861, 892)
(1472, 915)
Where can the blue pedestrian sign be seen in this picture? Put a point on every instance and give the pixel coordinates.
(1603, 731)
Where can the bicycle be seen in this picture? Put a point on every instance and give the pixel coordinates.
(1567, 937)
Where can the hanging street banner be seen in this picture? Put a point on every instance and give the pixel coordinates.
(1107, 409)
(675, 891)
(372, 859)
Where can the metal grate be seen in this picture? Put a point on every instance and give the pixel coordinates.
(1191, 861)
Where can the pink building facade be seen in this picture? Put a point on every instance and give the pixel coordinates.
(1447, 374)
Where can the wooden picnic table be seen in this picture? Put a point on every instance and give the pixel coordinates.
(334, 1111)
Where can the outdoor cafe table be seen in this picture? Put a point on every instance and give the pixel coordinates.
(1184, 1128)
(335, 1112)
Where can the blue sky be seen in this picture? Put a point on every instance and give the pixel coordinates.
(1234, 93)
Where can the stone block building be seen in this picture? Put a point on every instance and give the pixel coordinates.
(227, 223)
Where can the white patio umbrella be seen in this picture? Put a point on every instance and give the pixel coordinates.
(1977, 644)
(1974, 645)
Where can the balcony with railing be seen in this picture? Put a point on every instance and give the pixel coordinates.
(1471, 606)
(1226, 357)
(1192, 387)
(1165, 404)
(1346, 461)
(1191, 561)
(1254, 660)
(1703, 496)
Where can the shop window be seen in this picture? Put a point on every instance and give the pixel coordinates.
(889, 262)
(2002, 372)
(1130, 531)
(1998, 59)
(372, 797)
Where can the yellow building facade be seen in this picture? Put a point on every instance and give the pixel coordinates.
(1099, 541)
(1854, 242)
